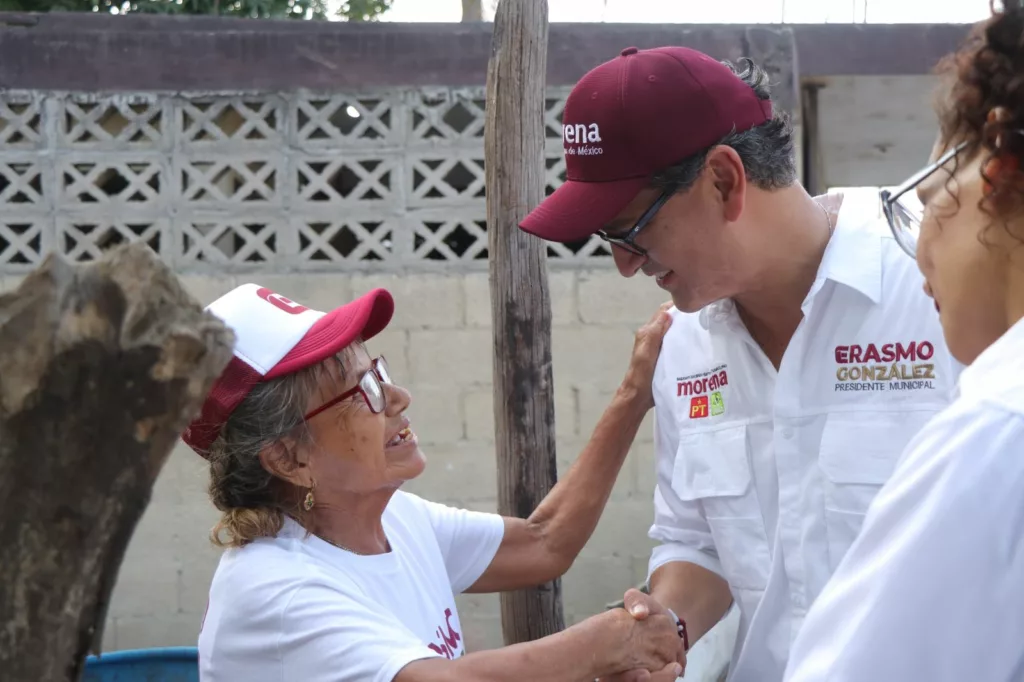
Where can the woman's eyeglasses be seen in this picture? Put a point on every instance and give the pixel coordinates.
(905, 217)
(369, 386)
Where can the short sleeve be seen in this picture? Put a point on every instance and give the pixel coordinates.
(327, 636)
(468, 540)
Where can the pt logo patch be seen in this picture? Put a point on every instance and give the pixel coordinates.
(699, 407)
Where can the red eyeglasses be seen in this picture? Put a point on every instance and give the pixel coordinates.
(369, 387)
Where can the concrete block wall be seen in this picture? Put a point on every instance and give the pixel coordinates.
(875, 130)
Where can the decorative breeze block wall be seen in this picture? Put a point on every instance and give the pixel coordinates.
(236, 182)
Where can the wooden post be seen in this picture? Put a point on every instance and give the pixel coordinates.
(814, 165)
(472, 10)
(524, 412)
(101, 367)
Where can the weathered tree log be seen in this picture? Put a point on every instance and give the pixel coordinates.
(101, 367)
(524, 412)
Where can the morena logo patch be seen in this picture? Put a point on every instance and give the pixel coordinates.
(582, 139)
(698, 386)
(280, 302)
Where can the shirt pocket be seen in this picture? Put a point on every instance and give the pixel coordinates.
(858, 454)
(712, 468)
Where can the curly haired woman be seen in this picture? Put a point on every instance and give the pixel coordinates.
(933, 588)
(332, 572)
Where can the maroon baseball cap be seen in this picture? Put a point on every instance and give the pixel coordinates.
(632, 117)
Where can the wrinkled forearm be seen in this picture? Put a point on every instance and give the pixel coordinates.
(543, 547)
(581, 652)
(569, 514)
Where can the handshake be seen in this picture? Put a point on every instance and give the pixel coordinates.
(641, 642)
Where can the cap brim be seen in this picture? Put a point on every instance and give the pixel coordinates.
(363, 318)
(576, 210)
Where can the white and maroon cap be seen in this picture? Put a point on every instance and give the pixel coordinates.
(275, 336)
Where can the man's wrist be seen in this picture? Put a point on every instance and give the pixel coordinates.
(681, 628)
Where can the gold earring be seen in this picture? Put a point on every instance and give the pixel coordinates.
(308, 503)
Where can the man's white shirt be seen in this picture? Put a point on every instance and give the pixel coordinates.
(933, 589)
(764, 476)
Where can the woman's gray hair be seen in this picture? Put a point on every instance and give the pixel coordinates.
(253, 501)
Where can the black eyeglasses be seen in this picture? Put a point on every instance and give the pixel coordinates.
(905, 219)
(369, 387)
(626, 242)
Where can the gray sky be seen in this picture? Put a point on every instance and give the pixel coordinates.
(727, 11)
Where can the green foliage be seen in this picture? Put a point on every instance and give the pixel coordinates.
(352, 10)
(364, 10)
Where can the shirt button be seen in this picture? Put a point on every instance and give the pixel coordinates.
(787, 433)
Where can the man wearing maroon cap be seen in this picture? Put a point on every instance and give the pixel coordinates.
(803, 354)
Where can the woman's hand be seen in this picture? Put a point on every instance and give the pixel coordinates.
(646, 349)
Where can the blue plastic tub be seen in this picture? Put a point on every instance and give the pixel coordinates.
(169, 664)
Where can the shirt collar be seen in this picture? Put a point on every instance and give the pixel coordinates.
(717, 312)
(853, 256)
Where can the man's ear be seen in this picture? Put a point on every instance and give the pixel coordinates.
(288, 462)
(729, 178)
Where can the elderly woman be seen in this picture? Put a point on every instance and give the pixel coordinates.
(933, 588)
(332, 573)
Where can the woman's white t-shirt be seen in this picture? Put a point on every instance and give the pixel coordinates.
(299, 609)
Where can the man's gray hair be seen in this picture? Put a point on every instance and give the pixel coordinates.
(767, 150)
